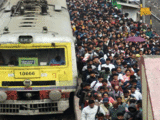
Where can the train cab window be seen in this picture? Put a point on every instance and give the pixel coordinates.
(57, 61)
(33, 57)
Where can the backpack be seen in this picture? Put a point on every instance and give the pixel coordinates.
(97, 112)
(94, 85)
(134, 116)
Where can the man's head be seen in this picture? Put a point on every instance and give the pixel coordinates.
(96, 60)
(100, 116)
(58, 58)
(99, 96)
(107, 61)
(126, 93)
(133, 89)
(105, 95)
(89, 68)
(133, 56)
(132, 108)
(116, 88)
(107, 70)
(100, 78)
(119, 69)
(79, 46)
(120, 116)
(124, 64)
(104, 82)
(138, 72)
(132, 77)
(118, 61)
(87, 86)
(115, 76)
(119, 99)
(139, 103)
(101, 89)
(106, 89)
(92, 74)
(89, 62)
(91, 103)
(114, 71)
(115, 104)
(132, 101)
(134, 82)
(128, 72)
(89, 50)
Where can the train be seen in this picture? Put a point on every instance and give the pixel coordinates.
(38, 70)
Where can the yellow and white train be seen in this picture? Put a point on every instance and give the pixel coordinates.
(38, 70)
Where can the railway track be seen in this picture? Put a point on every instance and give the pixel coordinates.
(40, 117)
(68, 115)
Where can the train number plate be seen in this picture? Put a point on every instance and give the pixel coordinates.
(26, 73)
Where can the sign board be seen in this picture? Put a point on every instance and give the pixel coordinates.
(117, 5)
(26, 73)
(24, 61)
(145, 11)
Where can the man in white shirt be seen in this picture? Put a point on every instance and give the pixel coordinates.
(89, 62)
(96, 84)
(136, 93)
(89, 112)
(108, 64)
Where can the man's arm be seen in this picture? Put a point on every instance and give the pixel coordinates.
(83, 115)
(102, 111)
(126, 116)
(140, 96)
(92, 84)
(51, 62)
(81, 98)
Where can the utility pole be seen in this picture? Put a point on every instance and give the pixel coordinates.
(150, 19)
(143, 5)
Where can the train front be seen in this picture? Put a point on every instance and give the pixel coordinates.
(36, 78)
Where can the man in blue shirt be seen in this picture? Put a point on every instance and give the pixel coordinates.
(57, 60)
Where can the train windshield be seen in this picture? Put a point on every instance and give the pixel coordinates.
(33, 57)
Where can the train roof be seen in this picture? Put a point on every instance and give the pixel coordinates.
(33, 20)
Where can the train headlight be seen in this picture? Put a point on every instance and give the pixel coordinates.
(27, 83)
(3, 96)
(28, 95)
(55, 95)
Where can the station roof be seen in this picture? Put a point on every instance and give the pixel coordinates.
(152, 68)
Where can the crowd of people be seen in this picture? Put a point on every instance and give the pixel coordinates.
(111, 83)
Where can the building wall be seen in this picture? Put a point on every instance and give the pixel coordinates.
(133, 13)
(156, 23)
(155, 8)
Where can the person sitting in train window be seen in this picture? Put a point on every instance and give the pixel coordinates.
(57, 60)
(13, 61)
(2, 62)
